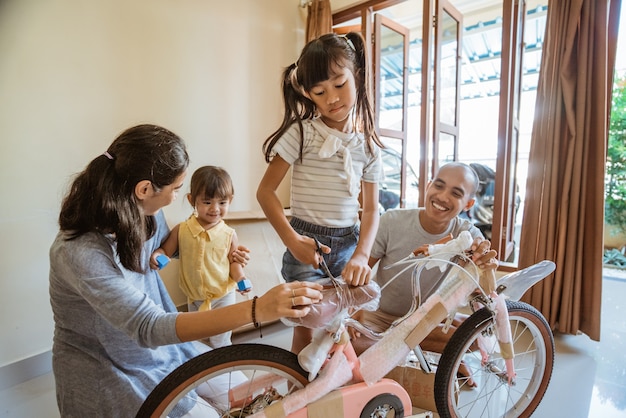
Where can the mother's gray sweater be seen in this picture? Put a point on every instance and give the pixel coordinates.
(114, 336)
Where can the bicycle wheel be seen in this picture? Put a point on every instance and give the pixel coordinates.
(241, 379)
(383, 405)
(493, 396)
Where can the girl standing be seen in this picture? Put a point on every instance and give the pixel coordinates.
(329, 140)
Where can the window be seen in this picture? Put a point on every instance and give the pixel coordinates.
(475, 65)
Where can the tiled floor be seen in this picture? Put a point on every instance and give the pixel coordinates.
(589, 379)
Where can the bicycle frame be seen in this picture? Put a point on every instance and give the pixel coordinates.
(343, 371)
(328, 379)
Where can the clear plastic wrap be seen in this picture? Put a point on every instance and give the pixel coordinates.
(338, 296)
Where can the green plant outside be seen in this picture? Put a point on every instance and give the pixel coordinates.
(615, 181)
(615, 184)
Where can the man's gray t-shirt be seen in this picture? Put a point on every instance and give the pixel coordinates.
(114, 336)
(399, 234)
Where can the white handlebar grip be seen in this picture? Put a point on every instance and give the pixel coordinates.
(457, 245)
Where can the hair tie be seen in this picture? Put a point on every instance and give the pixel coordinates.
(349, 41)
(106, 154)
(293, 79)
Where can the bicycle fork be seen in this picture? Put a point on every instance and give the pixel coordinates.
(503, 326)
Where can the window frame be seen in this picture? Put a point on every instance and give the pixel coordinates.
(508, 128)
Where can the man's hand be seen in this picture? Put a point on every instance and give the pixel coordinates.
(483, 255)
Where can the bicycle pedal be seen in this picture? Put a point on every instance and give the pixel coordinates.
(258, 404)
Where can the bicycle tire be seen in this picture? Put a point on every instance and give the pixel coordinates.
(494, 397)
(383, 405)
(256, 361)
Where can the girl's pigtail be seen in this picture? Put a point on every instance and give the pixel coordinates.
(364, 109)
(296, 108)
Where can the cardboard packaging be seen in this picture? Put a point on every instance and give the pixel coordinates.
(419, 385)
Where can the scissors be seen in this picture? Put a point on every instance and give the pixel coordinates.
(322, 263)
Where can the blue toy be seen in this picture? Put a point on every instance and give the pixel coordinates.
(162, 260)
(244, 285)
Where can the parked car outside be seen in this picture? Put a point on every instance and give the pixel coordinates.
(389, 185)
(481, 214)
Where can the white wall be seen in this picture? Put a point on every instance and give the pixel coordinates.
(74, 74)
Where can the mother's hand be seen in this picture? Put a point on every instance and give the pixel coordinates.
(288, 300)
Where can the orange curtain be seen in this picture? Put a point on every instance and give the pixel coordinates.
(564, 210)
(319, 19)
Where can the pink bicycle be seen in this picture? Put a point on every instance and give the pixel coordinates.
(506, 345)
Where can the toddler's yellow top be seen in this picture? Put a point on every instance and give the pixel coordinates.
(204, 263)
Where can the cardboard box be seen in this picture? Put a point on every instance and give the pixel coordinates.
(419, 385)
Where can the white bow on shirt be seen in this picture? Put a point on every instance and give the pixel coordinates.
(331, 145)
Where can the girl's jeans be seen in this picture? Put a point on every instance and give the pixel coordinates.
(342, 242)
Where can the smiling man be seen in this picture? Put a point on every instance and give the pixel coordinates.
(401, 231)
